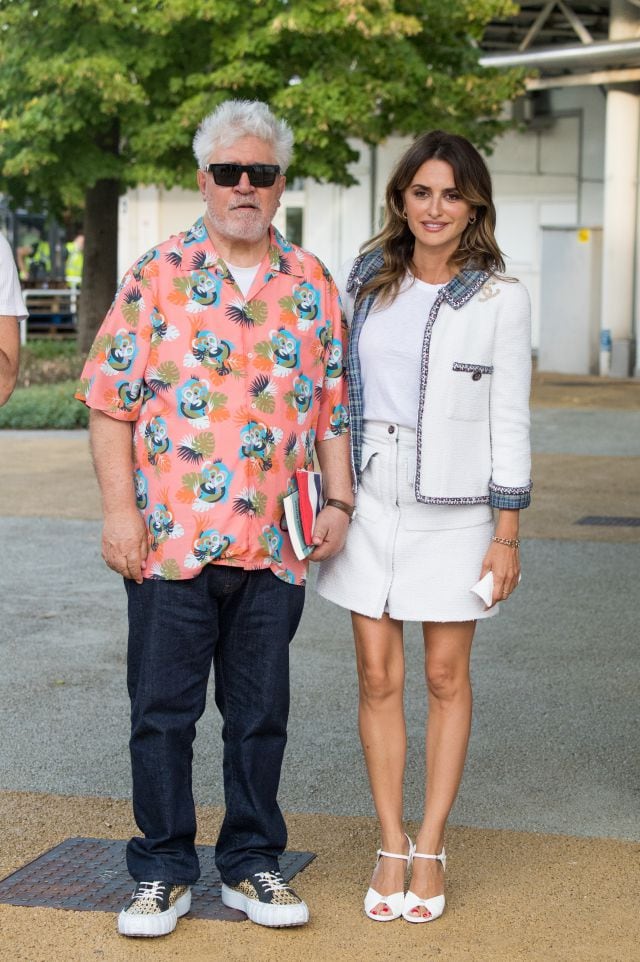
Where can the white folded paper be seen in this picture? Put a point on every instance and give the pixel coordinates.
(484, 588)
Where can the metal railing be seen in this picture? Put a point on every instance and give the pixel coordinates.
(52, 302)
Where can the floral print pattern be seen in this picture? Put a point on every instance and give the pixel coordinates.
(227, 396)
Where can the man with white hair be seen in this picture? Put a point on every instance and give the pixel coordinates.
(210, 382)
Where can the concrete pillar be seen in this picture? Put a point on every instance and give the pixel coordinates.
(620, 220)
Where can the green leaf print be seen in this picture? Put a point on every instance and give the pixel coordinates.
(131, 312)
(288, 304)
(170, 570)
(100, 345)
(182, 284)
(166, 373)
(195, 448)
(191, 480)
(250, 503)
(264, 349)
(205, 444)
(217, 400)
(84, 385)
(266, 403)
(259, 501)
(257, 311)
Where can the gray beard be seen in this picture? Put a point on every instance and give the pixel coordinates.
(249, 225)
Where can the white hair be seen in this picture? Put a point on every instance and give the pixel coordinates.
(234, 119)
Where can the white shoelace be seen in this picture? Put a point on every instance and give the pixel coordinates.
(272, 881)
(154, 889)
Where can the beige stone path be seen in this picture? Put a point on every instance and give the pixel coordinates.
(513, 897)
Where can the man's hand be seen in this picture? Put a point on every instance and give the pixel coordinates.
(329, 533)
(124, 533)
(330, 529)
(124, 544)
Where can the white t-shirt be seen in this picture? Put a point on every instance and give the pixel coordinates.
(11, 301)
(390, 350)
(243, 276)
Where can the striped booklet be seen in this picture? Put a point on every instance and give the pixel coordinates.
(301, 508)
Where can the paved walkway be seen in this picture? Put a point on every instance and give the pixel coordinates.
(544, 839)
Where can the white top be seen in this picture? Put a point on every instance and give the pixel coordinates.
(243, 276)
(390, 350)
(11, 301)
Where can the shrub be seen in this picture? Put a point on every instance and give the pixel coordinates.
(44, 406)
(49, 361)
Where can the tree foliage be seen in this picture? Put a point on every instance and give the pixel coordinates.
(95, 92)
(90, 90)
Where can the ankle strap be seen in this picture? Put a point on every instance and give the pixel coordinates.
(381, 852)
(406, 858)
(442, 857)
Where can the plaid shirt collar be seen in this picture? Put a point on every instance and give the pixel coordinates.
(457, 292)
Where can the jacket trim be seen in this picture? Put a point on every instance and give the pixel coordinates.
(457, 292)
(509, 499)
(481, 499)
(500, 489)
(472, 368)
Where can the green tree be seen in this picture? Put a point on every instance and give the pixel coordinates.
(96, 96)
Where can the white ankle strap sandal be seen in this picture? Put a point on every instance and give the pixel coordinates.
(434, 906)
(394, 902)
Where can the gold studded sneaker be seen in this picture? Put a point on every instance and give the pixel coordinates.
(154, 909)
(266, 899)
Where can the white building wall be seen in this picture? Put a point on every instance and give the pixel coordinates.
(149, 215)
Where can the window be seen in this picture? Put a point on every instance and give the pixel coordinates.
(294, 225)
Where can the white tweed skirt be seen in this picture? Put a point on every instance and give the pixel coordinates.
(417, 562)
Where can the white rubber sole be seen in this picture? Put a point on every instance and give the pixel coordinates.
(149, 926)
(274, 916)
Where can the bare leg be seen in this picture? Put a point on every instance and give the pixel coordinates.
(447, 653)
(380, 661)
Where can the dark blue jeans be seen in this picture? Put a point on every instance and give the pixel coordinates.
(243, 622)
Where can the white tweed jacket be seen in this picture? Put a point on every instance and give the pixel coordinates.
(473, 419)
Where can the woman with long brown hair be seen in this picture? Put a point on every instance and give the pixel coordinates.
(439, 369)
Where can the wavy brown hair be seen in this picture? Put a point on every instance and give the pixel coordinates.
(478, 248)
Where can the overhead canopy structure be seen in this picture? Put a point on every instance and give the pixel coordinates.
(562, 43)
(549, 24)
(569, 43)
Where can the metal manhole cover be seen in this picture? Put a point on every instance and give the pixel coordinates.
(90, 875)
(613, 522)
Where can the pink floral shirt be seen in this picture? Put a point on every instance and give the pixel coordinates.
(227, 394)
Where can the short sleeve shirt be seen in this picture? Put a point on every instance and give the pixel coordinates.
(227, 395)
(11, 300)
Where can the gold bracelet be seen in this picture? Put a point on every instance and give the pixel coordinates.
(510, 542)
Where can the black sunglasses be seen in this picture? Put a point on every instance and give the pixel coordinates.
(228, 175)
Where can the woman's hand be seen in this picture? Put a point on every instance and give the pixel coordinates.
(504, 562)
(503, 559)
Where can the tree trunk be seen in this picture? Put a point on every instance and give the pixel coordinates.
(100, 268)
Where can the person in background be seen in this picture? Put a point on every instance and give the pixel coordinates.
(12, 311)
(215, 375)
(34, 259)
(439, 366)
(74, 257)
